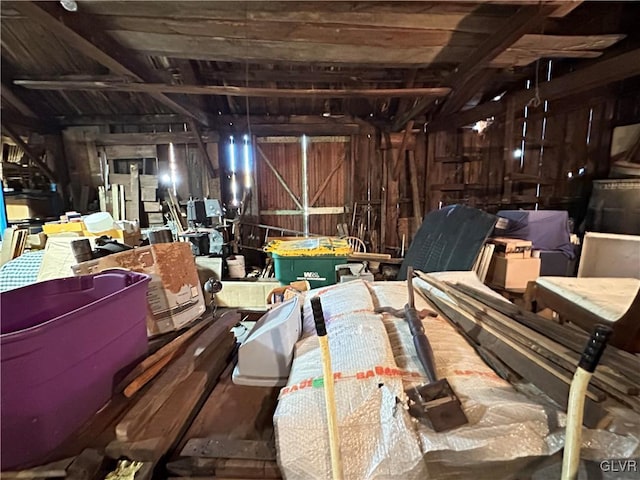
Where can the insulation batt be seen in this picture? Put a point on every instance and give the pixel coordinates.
(373, 363)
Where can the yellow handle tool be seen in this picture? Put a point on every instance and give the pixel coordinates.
(329, 392)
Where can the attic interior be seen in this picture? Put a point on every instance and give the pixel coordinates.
(331, 240)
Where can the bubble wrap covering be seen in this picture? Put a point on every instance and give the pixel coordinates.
(378, 438)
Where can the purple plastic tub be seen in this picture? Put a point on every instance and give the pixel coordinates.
(63, 345)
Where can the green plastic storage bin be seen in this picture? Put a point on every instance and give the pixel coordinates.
(319, 271)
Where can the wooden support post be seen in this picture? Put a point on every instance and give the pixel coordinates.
(392, 192)
(133, 205)
(382, 158)
(509, 139)
(415, 192)
(399, 161)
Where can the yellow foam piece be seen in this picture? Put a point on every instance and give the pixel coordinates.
(309, 247)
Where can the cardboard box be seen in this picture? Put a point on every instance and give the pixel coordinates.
(513, 273)
(512, 247)
(155, 218)
(174, 296)
(148, 181)
(152, 207)
(148, 194)
(245, 294)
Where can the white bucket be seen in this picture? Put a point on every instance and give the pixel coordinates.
(236, 266)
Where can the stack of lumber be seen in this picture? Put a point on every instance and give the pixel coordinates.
(522, 345)
(152, 408)
(232, 436)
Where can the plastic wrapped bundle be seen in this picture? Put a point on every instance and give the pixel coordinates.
(377, 439)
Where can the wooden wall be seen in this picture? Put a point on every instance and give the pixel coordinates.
(482, 170)
(385, 193)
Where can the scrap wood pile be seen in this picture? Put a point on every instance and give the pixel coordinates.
(155, 405)
(523, 345)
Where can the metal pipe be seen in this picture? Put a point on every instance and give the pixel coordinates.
(305, 188)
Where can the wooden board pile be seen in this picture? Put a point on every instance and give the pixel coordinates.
(152, 409)
(521, 345)
(232, 436)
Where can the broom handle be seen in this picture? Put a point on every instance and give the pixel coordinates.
(329, 393)
(575, 407)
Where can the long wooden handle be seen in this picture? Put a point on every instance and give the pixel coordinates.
(148, 375)
(329, 391)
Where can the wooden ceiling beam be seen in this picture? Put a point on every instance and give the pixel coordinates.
(341, 76)
(158, 138)
(525, 20)
(233, 91)
(81, 33)
(604, 72)
(10, 97)
(149, 119)
(423, 16)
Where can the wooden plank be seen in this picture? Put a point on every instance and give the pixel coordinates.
(79, 31)
(415, 192)
(385, 157)
(170, 348)
(233, 91)
(130, 151)
(146, 119)
(531, 367)
(133, 212)
(52, 470)
(270, 51)
(295, 32)
(173, 418)
(250, 419)
(399, 163)
(458, 17)
(158, 138)
(86, 466)
(567, 359)
(220, 446)
(137, 417)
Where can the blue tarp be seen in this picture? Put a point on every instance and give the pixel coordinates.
(546, 229)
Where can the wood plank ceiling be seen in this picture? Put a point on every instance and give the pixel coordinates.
(115, 49)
